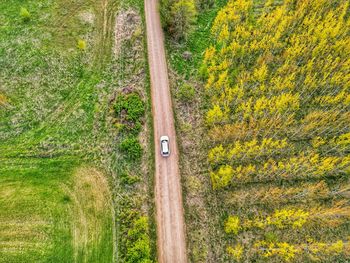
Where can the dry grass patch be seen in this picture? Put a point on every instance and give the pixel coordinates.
(127, 24)
(3, 100)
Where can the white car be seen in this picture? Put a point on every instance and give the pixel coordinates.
(164, 146)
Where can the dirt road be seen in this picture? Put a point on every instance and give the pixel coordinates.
(170, 220)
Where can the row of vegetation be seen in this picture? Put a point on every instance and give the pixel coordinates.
(277, 82)
(134, 240)
(131, 121)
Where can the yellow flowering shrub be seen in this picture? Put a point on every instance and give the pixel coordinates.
(232, 225)
(222, 177)
(282, 250)
(236, 252)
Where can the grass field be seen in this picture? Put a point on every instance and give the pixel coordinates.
(54, 129)
(52, 212)
(69, 193)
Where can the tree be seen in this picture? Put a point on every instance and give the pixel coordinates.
(216, 115)
(183, 15)
(222, 177)
(217, 155)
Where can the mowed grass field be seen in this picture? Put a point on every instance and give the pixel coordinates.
(55, 205)
(51, 213)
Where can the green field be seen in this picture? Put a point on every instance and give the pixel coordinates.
(54, 205)
(70, 189)
(51, 213)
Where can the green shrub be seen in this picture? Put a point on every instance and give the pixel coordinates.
(222, 177)
(205, 4)
(128, 179)
(139, 251)
(203, 72)
(25, 15)
(132, 105)
(186, 93)
(135, 128)
(66, 199)
(138, 244)
(271, 237)
(131, 148)
(130, 128)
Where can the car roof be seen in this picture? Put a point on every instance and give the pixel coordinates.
(165, 146)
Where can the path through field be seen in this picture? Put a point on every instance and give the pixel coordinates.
(170, 220)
